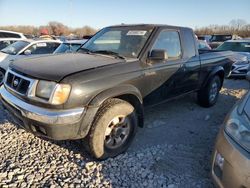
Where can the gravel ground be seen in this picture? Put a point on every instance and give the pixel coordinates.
(172, 150)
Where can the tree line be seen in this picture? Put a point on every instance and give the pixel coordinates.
(54, 28)
(237, 26)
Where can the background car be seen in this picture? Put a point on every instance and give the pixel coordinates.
(25, 48)
(241, 55)
(11, 34)
(231, 156)
(204, 37)
(69, 46)
(218, 39)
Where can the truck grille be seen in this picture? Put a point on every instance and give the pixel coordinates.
(17, 83)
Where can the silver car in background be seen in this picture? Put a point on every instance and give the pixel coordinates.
(241, 55)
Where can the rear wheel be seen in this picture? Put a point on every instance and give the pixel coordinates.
(113, 129)
(208, 95)
(2, 73)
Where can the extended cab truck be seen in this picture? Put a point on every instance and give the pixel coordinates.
(99, 92)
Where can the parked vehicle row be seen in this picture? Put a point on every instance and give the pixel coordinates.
(239, 68)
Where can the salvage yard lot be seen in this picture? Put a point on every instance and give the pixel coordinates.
(172, 150)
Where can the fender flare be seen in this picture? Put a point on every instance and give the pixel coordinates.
(114, 92)
(94, 105)
(217, 70)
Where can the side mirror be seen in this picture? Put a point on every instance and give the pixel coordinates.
(27, 52)
(158, 55)
(248, 75)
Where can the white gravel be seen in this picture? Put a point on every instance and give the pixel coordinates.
(173, 150)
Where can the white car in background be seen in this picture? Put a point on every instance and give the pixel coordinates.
(25, 48)
(11, 34)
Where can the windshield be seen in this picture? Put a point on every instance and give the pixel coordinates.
(14, 48)
(66, 47)
(220, 38)
(235, 46)
(123, 41)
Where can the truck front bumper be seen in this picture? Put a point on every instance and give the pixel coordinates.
(50, 123)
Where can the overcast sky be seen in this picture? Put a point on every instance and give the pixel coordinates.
(77, 13)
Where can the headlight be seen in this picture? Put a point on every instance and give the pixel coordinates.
(238, 129)
(44, 89)
(60, 94)
(52, 92)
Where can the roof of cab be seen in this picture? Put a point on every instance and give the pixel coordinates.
(149, 25)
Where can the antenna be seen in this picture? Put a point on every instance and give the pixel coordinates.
(70, 12)
(70, 19)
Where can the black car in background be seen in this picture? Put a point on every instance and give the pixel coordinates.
(218, 39)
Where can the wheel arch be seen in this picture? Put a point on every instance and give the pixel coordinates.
(127, 93)
(216, 71)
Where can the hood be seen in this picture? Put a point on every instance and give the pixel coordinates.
(241, 57)
(56, 67)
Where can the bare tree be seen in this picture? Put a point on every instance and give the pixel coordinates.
(236, 26)
(57, 28)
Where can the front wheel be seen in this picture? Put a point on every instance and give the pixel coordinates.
(208, 95)
(113, 129)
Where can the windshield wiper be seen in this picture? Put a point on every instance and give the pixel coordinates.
(3, 51)
(8, 53)
(84, 50)
(107, 52)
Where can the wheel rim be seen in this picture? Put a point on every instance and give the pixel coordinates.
(213, 91)
(117, 132)
(1, 77)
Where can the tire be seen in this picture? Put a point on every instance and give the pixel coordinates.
(2, 73)
(113, 129)
(208, 95)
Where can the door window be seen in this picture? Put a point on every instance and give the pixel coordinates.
(170, 42)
